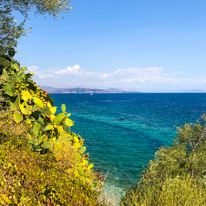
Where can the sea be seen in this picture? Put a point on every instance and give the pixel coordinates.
(122, 132)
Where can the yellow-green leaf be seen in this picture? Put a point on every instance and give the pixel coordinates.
(36, 128)
(25, 108)
(38, 102)
(26, 95)
(15, 105)
(9, 88)
(17, 117)
(53, 110)
(60, 130)
(83, 149)
(69, 122)
(59, 118)
(28, 121)
(14, 66)
(49, 127)
(91, 166)
(46, 145)
(63, 108)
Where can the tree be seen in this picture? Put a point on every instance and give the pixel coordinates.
(10, 31)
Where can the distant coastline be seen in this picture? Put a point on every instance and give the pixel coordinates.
(81, 90)
(85, 90)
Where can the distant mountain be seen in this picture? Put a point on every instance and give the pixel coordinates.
(48, 89)
(83, 90)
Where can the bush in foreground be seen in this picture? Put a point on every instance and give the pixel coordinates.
(177, 175)
(29, 178)
(41, 161)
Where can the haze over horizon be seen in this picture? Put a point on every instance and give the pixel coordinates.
(142, 46)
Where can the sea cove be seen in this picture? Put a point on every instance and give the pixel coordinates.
(123, 131)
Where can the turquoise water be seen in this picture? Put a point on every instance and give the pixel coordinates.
(123, 131)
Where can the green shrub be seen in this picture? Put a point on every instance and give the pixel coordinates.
(30, 108)
(28, 178)
(177, 175)
(178, 191)
(41, 161)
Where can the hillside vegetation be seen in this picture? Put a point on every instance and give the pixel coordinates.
(177, 175)
(41, 161)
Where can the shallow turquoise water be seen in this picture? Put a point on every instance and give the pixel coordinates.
(123, 131)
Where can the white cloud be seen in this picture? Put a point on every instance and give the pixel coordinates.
(142, 79)
(69, 70)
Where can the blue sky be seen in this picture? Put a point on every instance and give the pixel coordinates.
(147, 45)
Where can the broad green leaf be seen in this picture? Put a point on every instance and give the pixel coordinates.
(13, 79)
(49, 127)
(49, 104)
(68, 115)
(91, 166)
(25, 108)
(76, 139)
(17, 101)
(60, 130)
(69, 122)
(78, 158)
(36, 128)
(46, 110)
(22, 77)
(81, 171)
(46, 145)
(14, 66)
(15, 105)
(28, 121)
(59, 118)
(38, 102)
(26, 76)
(26, 95)
(40, 139)
(4, 75)
(40, 121)
(9, 88)
(12, 106)
(23, 69)
(46, 139)
(83, 149)
(63, 107)
(17, 117)
(77, 145)
(53, 109)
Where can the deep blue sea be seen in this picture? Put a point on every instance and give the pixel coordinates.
(123, 131)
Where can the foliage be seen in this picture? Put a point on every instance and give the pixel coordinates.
(28, 178)
(24, 103)
(10, 31)
(184, 191)
(177, 175)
